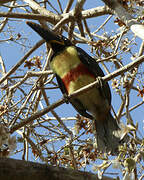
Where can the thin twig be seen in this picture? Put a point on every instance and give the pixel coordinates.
(15, 67)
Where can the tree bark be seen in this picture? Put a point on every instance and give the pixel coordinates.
(13, 169)
(5, 1)
(136, 27)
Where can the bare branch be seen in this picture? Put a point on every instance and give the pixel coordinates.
(12, 70)
(76, 93)
(125, 16)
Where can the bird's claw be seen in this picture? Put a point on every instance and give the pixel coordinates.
(66, 98)
(101, 86)
(100, 81)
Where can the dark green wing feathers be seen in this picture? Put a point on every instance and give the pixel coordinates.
(74, 101)
(93, 67)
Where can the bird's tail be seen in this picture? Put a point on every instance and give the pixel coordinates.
(108, 134)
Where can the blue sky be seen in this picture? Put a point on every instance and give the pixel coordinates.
(12, 52)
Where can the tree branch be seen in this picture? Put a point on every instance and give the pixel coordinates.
(106, 78)
(14, 68)
(94, 12)
(5, 1)
(125, 16)
(12, 169)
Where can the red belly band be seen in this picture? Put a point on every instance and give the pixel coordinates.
(74, 73)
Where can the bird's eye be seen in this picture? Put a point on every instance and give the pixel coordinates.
(66, 41)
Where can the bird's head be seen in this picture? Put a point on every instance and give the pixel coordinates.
(57, 42)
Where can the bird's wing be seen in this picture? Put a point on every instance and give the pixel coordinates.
(74, 101)
(93, 67)
(61, 85)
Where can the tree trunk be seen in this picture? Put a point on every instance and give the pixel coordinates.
(13, 169)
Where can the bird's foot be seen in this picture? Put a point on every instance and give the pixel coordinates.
(101, 85)
(100, 81)
(66, 98)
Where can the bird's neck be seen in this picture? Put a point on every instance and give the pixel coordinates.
(73, 73)
(65, 60)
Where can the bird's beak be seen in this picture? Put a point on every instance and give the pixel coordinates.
(48, 35)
